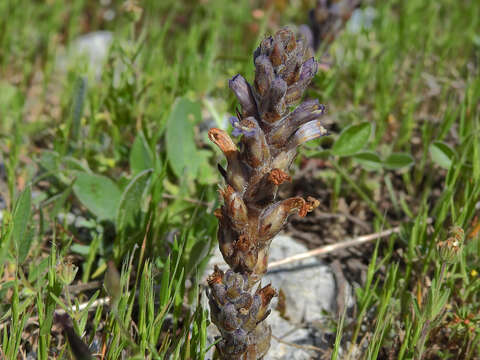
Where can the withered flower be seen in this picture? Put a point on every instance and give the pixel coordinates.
(250, 217)
(450, 249)
(327, 19)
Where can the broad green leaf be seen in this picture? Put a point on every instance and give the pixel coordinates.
(141, 157)
(72, 164)
(50, 160)
(21, 217)
(352, 139)
(441, 154)
(131, 200)
(369, 160)
(98, 193)
(397, 161)
(181, 150)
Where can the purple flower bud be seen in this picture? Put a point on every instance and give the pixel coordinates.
(238, 129)
(240, 337)
(273, 103)
(309, 69)
(264, 74)
(307, 72)
(242, 91)
(256, 150)
(230, 320)
(306, 34)
(219, 293)
(244, 301)
(307, 132)
(305, 112)
(277, 91)
(264, 48)
(234, 280)
(286, 39)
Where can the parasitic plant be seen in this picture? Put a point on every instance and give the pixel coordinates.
(327, 18)
(270, 126)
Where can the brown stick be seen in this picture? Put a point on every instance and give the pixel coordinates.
(303, 347)
(333, 247)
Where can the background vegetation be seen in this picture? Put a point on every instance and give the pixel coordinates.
(114, 165)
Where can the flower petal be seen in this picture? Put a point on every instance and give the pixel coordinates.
(307, 132)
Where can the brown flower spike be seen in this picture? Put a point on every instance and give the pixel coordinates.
(250, 217)
(326, 20)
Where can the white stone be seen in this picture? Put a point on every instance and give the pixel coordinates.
(94, 46)
(308, 285)
(290, 333)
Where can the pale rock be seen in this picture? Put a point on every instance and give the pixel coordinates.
(94, 46)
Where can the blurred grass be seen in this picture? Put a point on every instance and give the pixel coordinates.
(413, 75)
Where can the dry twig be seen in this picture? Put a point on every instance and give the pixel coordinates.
(333, 247)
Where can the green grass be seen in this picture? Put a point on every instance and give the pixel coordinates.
(98, 148)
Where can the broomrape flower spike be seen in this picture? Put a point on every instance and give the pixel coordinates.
(269, 133)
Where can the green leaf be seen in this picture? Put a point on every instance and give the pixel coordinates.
(164, 284)
(181, 150)
(369, 160)
(441, 154)
(25, 245)
(49, 160)
(72, 164)
(397, 161)
(21, 217)
(98, 193)
(141, 157)
(79, 96)
(131, 200)
(352, 139)
(197, 254)
(205, 173)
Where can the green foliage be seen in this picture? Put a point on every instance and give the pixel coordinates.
(141, 157)
(21, 219)
(369, 160)
(98, 194)
(397, 161)
(131, 199)
(352, 139)
(442, 154)
(183, 156)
